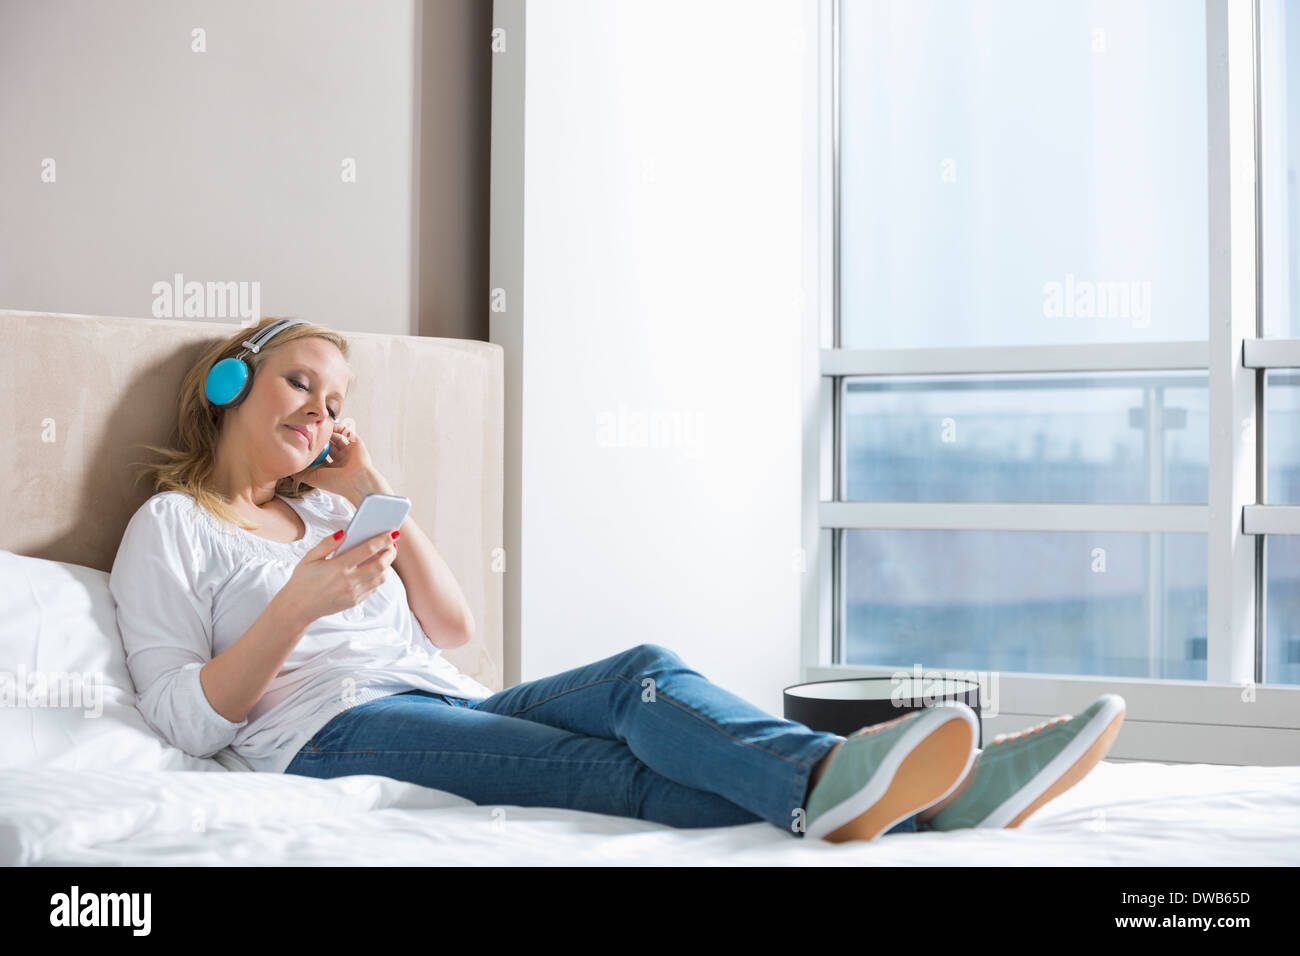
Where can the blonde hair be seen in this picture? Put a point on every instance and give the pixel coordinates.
(191, 457)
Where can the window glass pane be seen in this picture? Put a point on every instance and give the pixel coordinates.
(1117, 604)
(1282, 632)
(1281, 443)
(1022, 172)
(1104, 438)
(1279, 132)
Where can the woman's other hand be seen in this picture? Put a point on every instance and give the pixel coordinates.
(347, 464)
(324, 582)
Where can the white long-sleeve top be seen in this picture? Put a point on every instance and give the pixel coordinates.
(187, 586)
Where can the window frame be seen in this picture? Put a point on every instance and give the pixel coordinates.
(1232, 716)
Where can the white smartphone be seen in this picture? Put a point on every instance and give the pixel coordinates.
(377, 513)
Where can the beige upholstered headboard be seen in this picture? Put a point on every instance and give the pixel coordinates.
(79, 392)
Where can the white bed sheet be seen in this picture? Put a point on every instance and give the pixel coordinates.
(1121, 814)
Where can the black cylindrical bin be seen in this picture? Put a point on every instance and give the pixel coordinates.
(844, 706)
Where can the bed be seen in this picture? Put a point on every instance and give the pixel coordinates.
(85, 781)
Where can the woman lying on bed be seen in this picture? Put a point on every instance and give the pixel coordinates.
(239, 633)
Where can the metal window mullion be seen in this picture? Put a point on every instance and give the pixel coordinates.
(837, 536)
(1261, 543)
(1263, 520)
(1261, 607)
(1154, 447)
(1015, 516)
(1261, 469)
(1082, 357)
(835, 335)
(1260, 353)
(1230, 122)
(819, 590)
(837, 407)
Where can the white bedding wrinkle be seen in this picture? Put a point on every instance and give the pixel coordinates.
(187, 586)
(1121, 814)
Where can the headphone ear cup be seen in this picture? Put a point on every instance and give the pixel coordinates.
(227, 382)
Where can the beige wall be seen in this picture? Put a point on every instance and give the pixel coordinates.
(226, 165)
(454, 120)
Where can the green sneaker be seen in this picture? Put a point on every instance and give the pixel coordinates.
(884, 773)
(1018, 773)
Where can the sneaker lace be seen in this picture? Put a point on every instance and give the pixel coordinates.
(1003, 738)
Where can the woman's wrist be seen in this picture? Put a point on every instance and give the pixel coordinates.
(370, 482)
(291, 615)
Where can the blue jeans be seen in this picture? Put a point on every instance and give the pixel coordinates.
(638, 734)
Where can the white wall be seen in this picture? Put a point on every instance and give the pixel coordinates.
(661, 247)
(223, 165)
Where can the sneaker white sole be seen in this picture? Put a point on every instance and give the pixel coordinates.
(923, 767)
(1065, 770)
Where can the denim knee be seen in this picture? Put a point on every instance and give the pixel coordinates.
(647, 656)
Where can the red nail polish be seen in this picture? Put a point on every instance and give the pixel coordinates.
(395, 534)
(338, 534)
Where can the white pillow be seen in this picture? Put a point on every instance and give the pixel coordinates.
(66, 696)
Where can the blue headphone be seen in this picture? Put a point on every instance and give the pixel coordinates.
(230, 380)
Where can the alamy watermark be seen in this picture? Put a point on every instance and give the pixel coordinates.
(72, 689)
(637, 428)
(75, 908)
(928, 687)
(1108, 299)
(179, 299)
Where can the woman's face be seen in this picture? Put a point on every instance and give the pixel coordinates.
(298, 387)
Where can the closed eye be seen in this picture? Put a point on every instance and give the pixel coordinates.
(303, 385)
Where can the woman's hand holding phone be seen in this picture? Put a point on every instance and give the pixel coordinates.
(322, 584)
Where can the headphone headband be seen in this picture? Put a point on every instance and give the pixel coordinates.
(256, 342)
